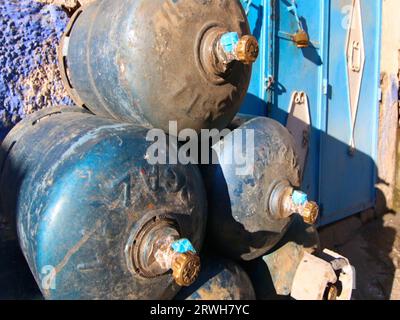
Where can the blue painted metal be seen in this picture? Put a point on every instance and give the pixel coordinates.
(260, 27)
(342, 180)
(80, 189)
(219, 279)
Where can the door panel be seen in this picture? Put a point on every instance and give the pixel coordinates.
(339, 72)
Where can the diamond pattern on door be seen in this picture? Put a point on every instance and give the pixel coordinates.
(355, 55)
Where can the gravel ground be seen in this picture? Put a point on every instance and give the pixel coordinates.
(374, 250)
(29, 75)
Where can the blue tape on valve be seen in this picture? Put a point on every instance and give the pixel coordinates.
(229, 41)
(183, 246)
(299, 198)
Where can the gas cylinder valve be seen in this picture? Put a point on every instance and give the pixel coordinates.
(157, 247)
(221, 48)
(309, 210)
(244, 49)
(230, 48)
(285, 201)
(181, 257)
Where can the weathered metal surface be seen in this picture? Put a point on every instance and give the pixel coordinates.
(328, 276)
(355, 57)
(220, 279)
(299, 125)
(129, 59)
(244, 221)
(272, 275)
(79, 188)
(313, 277)
(297, 268)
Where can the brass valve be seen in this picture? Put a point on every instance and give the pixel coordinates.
(332, 292)
(247, 49)
(157, 248)
(284, 201)
(186, 268)
(310, 212)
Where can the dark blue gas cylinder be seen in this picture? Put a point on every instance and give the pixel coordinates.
(95, 219)
(219, 279)
(253, 197)
(129, 59)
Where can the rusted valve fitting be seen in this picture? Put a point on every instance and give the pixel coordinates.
(285, 201)
(229, 48)
(157, 247)
(186, 268)
(220, 48)
(310, 212)
(180, 256)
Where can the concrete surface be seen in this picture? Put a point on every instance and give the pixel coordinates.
(389, 107)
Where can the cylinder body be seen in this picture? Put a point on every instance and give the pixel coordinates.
(86, 201)
(245, 186)
(148, 61)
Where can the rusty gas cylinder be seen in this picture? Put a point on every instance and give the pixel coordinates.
(95, 219)
(253, 189)
(158, 61)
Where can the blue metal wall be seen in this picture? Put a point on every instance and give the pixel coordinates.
(342, 179)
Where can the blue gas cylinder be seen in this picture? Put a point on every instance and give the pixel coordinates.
(95, 219)
(250, 188)
(129, 59)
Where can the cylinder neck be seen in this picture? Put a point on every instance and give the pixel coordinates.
(284, 201)
(159, 248)
(220, 49)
